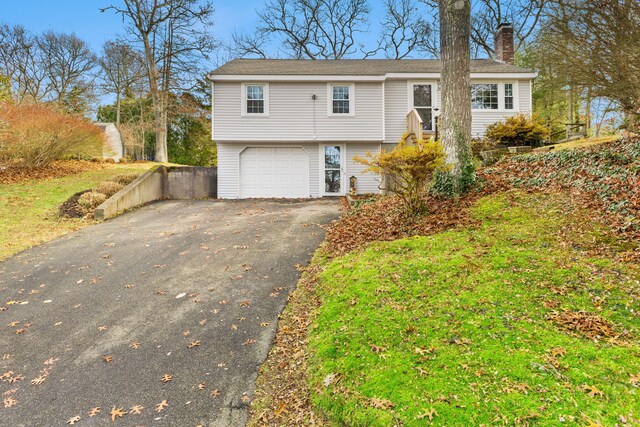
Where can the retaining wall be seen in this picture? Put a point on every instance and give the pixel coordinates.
(162, 183)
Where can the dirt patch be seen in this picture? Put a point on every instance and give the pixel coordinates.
(57, 169)
(582, 323)
(71, 209)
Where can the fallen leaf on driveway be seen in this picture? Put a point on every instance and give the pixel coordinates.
(73, 420)
(9, 402)
(160, 406)
(249, 341)
(193, 344)
(166, 378)
(117, 413)
(94, 411)
(107, 358)
(136, 409)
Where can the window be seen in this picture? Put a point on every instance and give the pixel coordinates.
(423, 103)
(484, 96)
(340, 98)
(508, 96)
(255, 99)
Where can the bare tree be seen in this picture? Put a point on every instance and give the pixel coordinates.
(174, 36)
(122, 67)
(455, 120)
(408, 30)
(309, 29)
(525, 16)
(21, 60)
(68, 61)
(605, 60)
(253, 45)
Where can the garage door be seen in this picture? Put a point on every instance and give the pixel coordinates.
(274, 172)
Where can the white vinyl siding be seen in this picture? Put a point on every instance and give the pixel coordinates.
(396, 109)
(367, 182)
(480, 119)
(295, 116)
(229, 167)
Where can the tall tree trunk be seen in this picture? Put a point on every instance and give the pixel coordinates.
(118, 108)
(159, 106)
(455, 119)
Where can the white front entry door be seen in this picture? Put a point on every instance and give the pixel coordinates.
(332, 172)
(274, 172)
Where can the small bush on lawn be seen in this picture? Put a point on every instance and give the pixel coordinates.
(91, 200)
(125, 179)
(517, 130)
(33, 136)
(109, 188)
(408, 169)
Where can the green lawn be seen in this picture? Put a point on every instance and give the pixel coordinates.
(29, 209)
(457, 329)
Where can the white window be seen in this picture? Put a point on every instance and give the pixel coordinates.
(508, 96)
(484, 96)
(341, 97)
(494, 96)
(255, 99)
(422, 97)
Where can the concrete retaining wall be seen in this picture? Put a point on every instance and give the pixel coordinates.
(191, 183)
(161, 183)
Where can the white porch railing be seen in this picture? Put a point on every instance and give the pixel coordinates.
(415, 125)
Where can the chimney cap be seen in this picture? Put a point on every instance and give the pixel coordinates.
(505, 25)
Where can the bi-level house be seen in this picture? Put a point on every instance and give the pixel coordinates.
(291, 128)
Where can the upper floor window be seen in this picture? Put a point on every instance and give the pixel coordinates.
(508, 96)
(255, 99)
(484, 96)
(341, 100)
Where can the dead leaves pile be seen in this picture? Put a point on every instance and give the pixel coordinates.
(283, 397)
(385, 219)
(582, 323)
(56, 169)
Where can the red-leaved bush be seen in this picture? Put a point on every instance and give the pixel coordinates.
(34, 135)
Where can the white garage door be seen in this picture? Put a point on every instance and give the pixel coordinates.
(274, 172)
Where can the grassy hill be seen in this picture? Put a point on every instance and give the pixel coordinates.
(516, 305)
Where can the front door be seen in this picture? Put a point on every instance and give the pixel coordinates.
(423, 103)
(332, 169)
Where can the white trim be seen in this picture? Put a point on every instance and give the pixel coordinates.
(530, 96)
(357, 78)
(352, 99)
(293, 78)
(343, 169)
(384, 114)
(243, 108)
(213, 111)
(434, 97)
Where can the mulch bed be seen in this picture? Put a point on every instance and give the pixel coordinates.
(57, 169)
(71, 209)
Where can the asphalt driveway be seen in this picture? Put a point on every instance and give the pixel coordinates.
(164, 313)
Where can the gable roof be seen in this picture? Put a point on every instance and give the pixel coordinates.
(352, 67)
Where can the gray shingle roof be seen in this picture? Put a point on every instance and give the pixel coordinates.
(351, 67)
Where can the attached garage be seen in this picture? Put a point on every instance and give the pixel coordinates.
(274, 172)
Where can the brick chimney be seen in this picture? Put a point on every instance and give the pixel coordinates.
(504, 43)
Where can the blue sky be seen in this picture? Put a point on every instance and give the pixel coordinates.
(84, 18)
